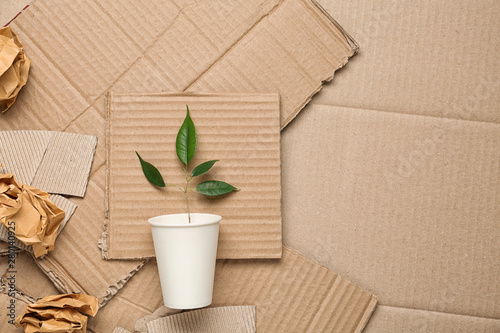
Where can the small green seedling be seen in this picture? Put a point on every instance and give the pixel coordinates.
(186, 147)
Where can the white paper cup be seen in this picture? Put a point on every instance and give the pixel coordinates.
(186, 254)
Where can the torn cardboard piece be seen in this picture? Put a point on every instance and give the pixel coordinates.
(421, 194)
(64, 204)
(240, 130)
(292, 294)
(14, 68)
(29, 214)
(291, 47)
(224, 319)
(59, 313)
(56, 162)
(66, 164)
(21, 152)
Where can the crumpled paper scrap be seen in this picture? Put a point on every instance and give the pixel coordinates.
(59, 314)
(14, 68)
(30, 214)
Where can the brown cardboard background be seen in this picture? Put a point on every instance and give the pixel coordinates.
(434, 58)
(414, 51)
(419, 193)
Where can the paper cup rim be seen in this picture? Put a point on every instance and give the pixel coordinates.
(157, 221)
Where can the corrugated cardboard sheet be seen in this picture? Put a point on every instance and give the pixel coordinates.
(240, 130)
(80, 50)
(433, 58)
(292, 294)
(55, 162)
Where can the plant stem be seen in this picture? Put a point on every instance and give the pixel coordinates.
(186, 194)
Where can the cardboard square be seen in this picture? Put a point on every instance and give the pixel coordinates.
(241, 130)
(66, 165)
(21, 153)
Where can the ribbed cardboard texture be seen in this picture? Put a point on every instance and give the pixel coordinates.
(394, 319)
(52, 161)
(10, 9)
(292, 294)
(420, 193)
(66, 164)
(240, 130)
(80, 50)
(433, 58)
(224, 319)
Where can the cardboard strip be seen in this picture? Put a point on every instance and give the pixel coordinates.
(66, 165)
(227, 319)
(240, 130)
(67, 206)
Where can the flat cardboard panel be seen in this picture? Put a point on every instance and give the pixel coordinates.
(241, 130)
(434, 58)
(55, 162)
(66, 164)
(21, 153)
(11, 8)
(421, 194)
(393, 319)
(292, 294)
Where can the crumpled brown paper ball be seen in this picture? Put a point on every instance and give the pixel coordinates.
(14, 68)
(59, 314)
(30, 214)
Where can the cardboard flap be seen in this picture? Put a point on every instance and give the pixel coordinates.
(240, 130)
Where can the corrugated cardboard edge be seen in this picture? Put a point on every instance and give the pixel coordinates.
(102, 243)
(241, 318)
(119, 329)
(370, 308)
(354, 49)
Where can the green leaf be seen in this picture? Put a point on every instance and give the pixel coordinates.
(213, 188)
(186, 140)
(151, 172)
(203, 168)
